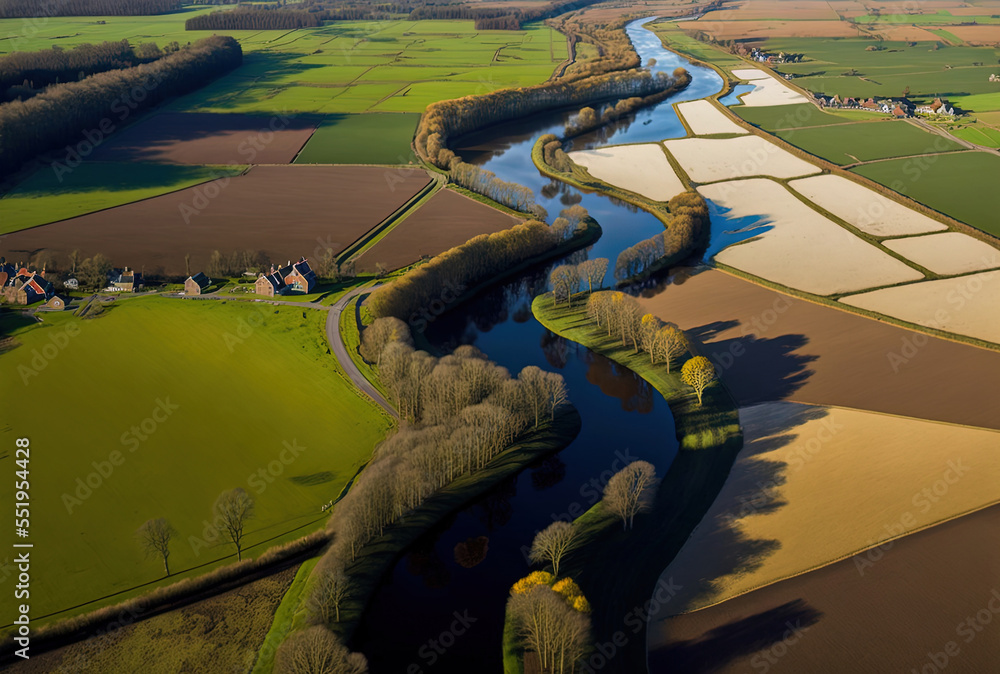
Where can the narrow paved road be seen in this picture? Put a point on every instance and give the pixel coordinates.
(340, 351)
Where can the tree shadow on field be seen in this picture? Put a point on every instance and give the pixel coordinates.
(722, 645)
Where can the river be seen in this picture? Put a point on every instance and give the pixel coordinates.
(432, 614)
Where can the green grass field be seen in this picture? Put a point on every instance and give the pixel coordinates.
(851, 143)
(799, 115)
(240, 380)
(361, 139)
(940, 18)
(945, 71)
(959, 185)
(978, 133)
(46, 197)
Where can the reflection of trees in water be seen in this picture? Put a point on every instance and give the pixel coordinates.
(423, 560)
(495, 508)
(548, 473)
(556, 349)
(471, 552)
(619, 382)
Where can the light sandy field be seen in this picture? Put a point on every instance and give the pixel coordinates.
(895, 33)
(978, 35)
(968, 305)
(771, 9)
(750, 74)
(771, 92)
(864, 208)
(801, 249)
(708, 160)
(947, 253)
(743, 30)
(642, 169)
(813, 485)
(706, 119)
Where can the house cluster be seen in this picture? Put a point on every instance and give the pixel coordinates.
(124, 281)
(24, 287)
(897, 107)
(770, 58)
(295, 277)
(994, 78)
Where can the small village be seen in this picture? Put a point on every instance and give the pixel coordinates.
(897, 107)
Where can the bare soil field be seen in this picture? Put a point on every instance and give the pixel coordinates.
(219, 634)
(206, 138)
(284, 211)
(947, 253)
(642, 169)
(966, 305)
(743, 30)
(708, 160)
(977, 35)
(809, 488)
(864, 208)
(772, 9)
(769, 346)
(916, 599)
(706, 119)
(795, 246)
(447, 220)
(895, 33)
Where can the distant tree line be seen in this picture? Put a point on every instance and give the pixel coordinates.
(23, 74)
(65, 113)
(498, 18)
(686, 231)
(485, 182)
(452, 118)
(473, 262)
(16, 9)
(614, 48)
(254, 19)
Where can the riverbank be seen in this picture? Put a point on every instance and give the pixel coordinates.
(618, 571)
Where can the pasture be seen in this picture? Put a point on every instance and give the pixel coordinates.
(170, 403)
(361, 139)
(284, 211)
(46, 197)
(954, 184)
(865, 141)
(799, 115)
(446, 220)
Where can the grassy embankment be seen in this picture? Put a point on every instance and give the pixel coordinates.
(618, 570)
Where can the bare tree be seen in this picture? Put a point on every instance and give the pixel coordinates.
(552, 543)
(550, 627)
(630, 491)
(565, 280)
(316, 650)
(593, 271)
(154, 537)
(232, 510)
(671, 343)
(333, 588)
(380, 334)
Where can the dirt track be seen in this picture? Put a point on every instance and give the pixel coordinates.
(447, 220)
(285, 211)
(205, 138)
(912, 601)
(770, 346)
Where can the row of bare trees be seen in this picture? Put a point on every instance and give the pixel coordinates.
(689, 225)
(621, 316)
(33, 8)
(479, 259)
(485, 182)
(567, 280)
(589, 119)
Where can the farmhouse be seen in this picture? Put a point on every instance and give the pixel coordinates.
(300, 277)
(126, 281)
(938, 107)
(270, 284)
(26, 287)
(196, 284)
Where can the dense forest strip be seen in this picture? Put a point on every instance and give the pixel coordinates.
(446, 120)
(17, 9)
(86, 112)
(27, 73)
(255, 19)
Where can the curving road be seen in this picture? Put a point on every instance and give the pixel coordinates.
(340, 351)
